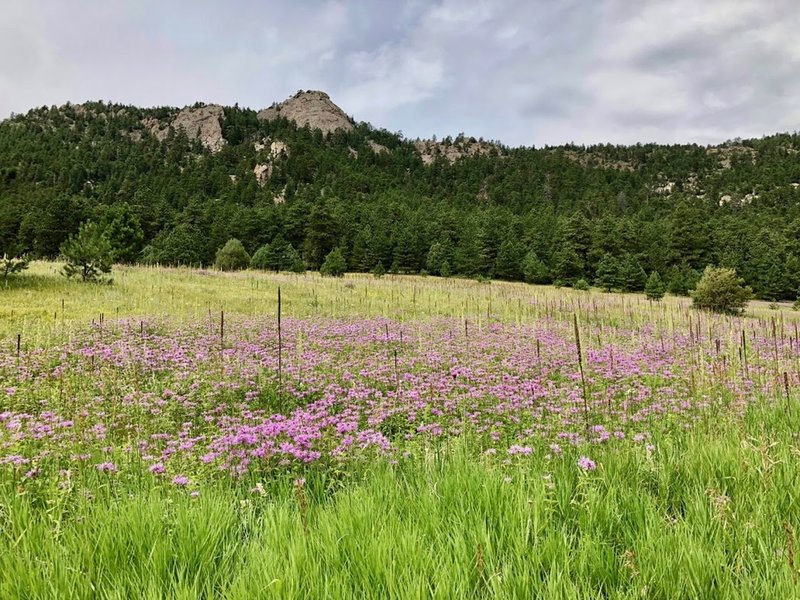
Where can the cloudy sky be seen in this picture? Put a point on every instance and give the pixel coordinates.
(529, 72)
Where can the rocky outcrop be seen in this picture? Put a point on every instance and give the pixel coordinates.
(376, 147)
(430, 150)
(725, 154)
(278, 149)
(262, 172)
(203, 123)
(312, 108)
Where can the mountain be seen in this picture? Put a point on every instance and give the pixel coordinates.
(173, 185)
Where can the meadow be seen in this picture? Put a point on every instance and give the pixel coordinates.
(168, 436)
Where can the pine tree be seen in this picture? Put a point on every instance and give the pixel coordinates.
(721, 290)
(608, 273)
(10, 265)
(632, 275)
(655, 288)
(534, 270)
(334, 264)
(508, 264)
(88, 254)
(567, 265)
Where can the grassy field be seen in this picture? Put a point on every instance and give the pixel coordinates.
(403, 437)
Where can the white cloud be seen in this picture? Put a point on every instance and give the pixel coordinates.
(524, 72)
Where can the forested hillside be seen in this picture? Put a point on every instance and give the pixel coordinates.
(608, 214)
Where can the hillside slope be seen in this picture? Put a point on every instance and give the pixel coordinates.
(172, 185)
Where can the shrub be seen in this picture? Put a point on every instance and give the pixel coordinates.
(87, 254)
(260, 258)
(721, 290)
(334, 264)
(232, 256)
(582, 285)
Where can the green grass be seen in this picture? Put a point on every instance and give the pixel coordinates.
(42, 306)
(708, 514)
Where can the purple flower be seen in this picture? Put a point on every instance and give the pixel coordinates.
(180, 480)
(158, 469)
(516, 449)
(107, 467)
(586, 463)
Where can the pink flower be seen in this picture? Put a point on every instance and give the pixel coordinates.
(586, 463)
(107, 467)
(516, 449)
(180, 480)
(158, 469)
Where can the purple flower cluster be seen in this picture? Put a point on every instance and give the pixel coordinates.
(348, 391)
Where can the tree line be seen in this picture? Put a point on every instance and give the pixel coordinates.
(607, 215)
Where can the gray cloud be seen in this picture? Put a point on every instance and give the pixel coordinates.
(523, 72)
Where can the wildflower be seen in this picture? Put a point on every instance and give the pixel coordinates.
(555, 449)
(194, 493)
(180, 480)
(516, 449)
(158, 469)
(586, 463)
(107, 467)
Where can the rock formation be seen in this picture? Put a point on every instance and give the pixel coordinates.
(312, 108)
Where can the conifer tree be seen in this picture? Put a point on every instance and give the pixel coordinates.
(655, 288)
(88, 254)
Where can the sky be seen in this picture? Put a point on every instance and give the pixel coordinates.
(532, 72)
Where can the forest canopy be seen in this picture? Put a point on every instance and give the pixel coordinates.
(610, 215)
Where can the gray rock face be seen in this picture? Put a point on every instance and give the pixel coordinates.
(312, 108)
(202, 123)
(429, 150)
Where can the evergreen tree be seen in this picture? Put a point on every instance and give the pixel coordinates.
(508, 264)
(632, 275)
(567, 265)
(124, 232)
(88, 254)
(334, 264)
(469, 257)
(10, 265)
(260, 259)
(321, 235)
(608, 273)
(438, 259)
(721, 290)
(534, 270)
(293, 261)
(232, 256)
(655, 288)
(682, 280)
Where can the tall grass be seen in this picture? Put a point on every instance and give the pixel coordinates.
(707, 506)
(706, 514)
